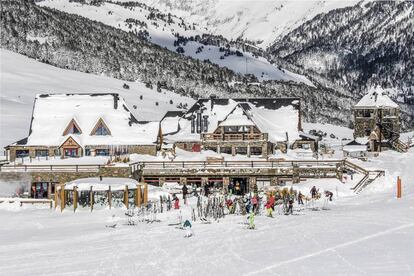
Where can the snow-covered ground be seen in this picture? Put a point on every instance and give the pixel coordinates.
(162, 33)
(22, 78)
(367, 234)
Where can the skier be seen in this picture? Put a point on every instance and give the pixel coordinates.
(230, 188)
(254, 203)
(251, 221)
(185, 191)
(300, 198)
(237, 188)
(329, 194)
(270, 205)
(290, 208)
(206, 190)
(187, 227)
(176, 202)
(313, 192)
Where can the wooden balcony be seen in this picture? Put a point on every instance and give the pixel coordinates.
(234, 137)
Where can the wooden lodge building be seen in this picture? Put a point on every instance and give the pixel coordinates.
(75, 125)
(255, 126)
(377, 120)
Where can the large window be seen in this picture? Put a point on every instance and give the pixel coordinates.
(236, 129)
(71, 152)
(255, 151)
(101, 152)
(101, 130)
(225, 150)
(42, 153)
(22, 153)
(241, 150)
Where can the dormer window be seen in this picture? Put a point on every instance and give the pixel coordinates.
(72, 128)
(101, 129)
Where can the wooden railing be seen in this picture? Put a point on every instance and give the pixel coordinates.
(234, 136)
(234, 164)
(50, 168)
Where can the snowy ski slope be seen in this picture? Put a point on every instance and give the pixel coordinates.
(371, 233)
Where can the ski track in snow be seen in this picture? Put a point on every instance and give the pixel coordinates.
(333, 248)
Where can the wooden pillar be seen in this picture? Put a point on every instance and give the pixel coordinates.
(62, 197)
(233, 150)
(145, 194)
(126, 201)
(109, 197)
(138, 195)
(75, 199)
(399, 188)
(49, 190)
(56, 196)
(91, 198)
(248, 150)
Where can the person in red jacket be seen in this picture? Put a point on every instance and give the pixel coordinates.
(176, 202)
(270, 204)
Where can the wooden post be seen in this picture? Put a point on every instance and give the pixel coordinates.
(75, 199)
(62, 197)
(139, 195)
(110, 197)
(145, 194)
(91, 198)
(399, 188)
(56, 196)
(126, 201)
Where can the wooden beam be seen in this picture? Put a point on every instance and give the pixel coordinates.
(138, 194)
(126, 201)
(109, 197)
(145, 194)
(91, 198)
(75, 199)
(56, 196)
(62, 197)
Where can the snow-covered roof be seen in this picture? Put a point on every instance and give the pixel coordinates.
(52, 113)
(355, 148)
(275, 116)
(376, 97)
(116, 183)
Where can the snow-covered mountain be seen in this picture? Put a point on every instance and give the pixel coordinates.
(167, 30)
(357, 48)
(260, 21)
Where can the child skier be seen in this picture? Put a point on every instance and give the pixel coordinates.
(187, 227)
(251, 221)
(176, 202)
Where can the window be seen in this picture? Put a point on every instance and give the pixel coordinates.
(72, 128)
(101, 129)
(255, 151)
(241, 150)
(22, 153)
(236, 129)
(101, 152)
(225, 150)
(41, 153)
(87, 152)
(71, 152)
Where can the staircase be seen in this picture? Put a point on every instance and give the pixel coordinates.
(369, 176)
(394, 139)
